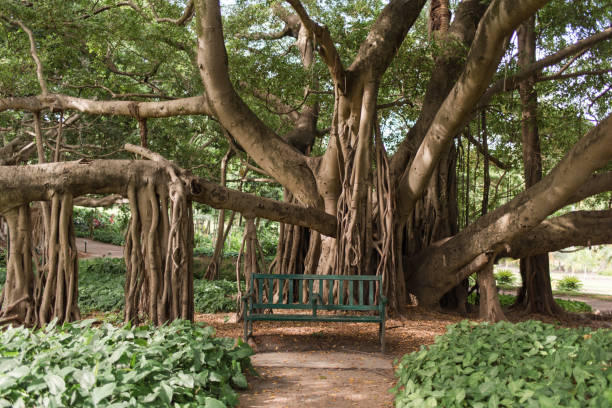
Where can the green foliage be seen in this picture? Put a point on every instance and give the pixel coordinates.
(109, 235)
(214, 296)
(3, 256)
(102, 226)
(101, 284)
(574, 306)
(505, 278)
(569, 284)
(528, 364)
(181, 364)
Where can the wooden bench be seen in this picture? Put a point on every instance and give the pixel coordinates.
(354, 294)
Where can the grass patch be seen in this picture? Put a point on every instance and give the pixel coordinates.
(78, 365)
(528, 364)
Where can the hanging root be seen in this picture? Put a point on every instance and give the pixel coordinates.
(16, 301)
(388, 234)
(58, 280)
(158, 250)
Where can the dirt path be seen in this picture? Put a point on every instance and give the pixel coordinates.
(93, 249)
(337, 365)
(320, 379)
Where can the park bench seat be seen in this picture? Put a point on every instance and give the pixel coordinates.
(356, 293)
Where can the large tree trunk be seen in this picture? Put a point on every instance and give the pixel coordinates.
(535, 294)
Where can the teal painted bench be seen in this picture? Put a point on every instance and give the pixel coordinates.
(355, 294)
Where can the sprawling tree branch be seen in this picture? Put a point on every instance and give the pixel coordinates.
(275, 156)
(437, 271)
(39, 68)
(499, 21)
(579, 228)
(512, 82)
(106, 201)
(386, 36)
(327, 49)
(24, 184)
(195, 105)
(498, 163)
(181, 21)
(597, 183)
(448, 68)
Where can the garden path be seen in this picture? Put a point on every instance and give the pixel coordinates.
(97, 249)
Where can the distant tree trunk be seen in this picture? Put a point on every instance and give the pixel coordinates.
(212, 271)
(535, 294)
(490, 308)
(487, 176)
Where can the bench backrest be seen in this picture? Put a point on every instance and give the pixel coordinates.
(355, 292)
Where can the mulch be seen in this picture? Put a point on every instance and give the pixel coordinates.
(403, 335)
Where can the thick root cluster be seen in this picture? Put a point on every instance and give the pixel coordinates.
(158, 253)
(51, 293)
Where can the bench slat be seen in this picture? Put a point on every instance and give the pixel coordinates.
(319, 318)
(310, 293)
(371, 292)
(290, 291)
(351, 300)
(341, 295)
(317, 277)
(307, 306)
(301, 290)
(260, 294)
(361, 292)
(281, 289)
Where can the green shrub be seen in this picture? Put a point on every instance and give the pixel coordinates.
(505, 278)
(78, 365)
(528, 364)
(110, 235)
(569, 284)
(100, 225)
(214, 296)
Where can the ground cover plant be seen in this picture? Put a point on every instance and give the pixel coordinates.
(80, 365)
(575, 306)
(101, 283)
(528, 364)
(101, 289)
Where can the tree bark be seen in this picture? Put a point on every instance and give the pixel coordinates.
(535, 294)
(490, 308)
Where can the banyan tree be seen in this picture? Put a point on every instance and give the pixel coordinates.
(364, 114)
